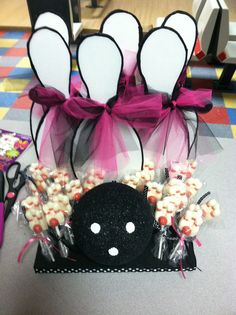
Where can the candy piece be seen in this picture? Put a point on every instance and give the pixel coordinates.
(192, 186)
(210, 209)
(152, 200)
(53, 222)
(186, 230)
(162, 220)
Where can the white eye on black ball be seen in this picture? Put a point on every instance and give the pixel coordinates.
(95, 228)
(130, 227)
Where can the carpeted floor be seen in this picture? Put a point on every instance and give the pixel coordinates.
(16, 78)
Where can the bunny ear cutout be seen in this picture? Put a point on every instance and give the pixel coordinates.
(51, 62)
(50, 59)
(186, 26)
(161, 59)
(100, 64)
(127, 31)
(53, 21)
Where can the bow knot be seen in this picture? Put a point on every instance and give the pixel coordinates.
(108, 109)
(173, 105)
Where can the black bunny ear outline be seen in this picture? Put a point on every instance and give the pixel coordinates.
(34, 139)
(194, 21)
(50, 11)
(140, 29)
(77, 60)
(31, 62)
(140, 49)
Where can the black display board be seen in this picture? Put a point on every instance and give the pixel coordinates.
(79, 263)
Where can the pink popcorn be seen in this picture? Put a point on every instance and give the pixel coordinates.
(143, 177)
(185, 170)
(64, 203)
(39, 169)
(175, 187)
(54, 189)
(92, 179)
(166, 210)
(149, 168)
(179, 202)
(54, 214)
(30, 202)
(40, 183)
(210, 209)
(99, 173)
(192, 186)
(190, 223)
(60, 176)
(74, 189)
(154, 191)
(33, 189)
(36, 219)
(131, 180)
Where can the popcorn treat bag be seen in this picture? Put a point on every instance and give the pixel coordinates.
(52, 196)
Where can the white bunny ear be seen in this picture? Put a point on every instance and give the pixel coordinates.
(186, 26)
(53, 21)
(36, 114)
(126, 30)
(161, 59)
(50, 59)
(100, 65)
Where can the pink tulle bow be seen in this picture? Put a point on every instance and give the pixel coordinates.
(138, 111)
(199, 100)
(169, 140)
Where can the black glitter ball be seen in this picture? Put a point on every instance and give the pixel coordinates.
(112, 224)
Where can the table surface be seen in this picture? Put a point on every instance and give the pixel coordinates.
(209, 292)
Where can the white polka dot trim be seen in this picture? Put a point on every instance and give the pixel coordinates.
(101, 270)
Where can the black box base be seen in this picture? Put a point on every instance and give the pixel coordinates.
(144, 263)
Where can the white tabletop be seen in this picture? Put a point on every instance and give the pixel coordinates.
(210, 292)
